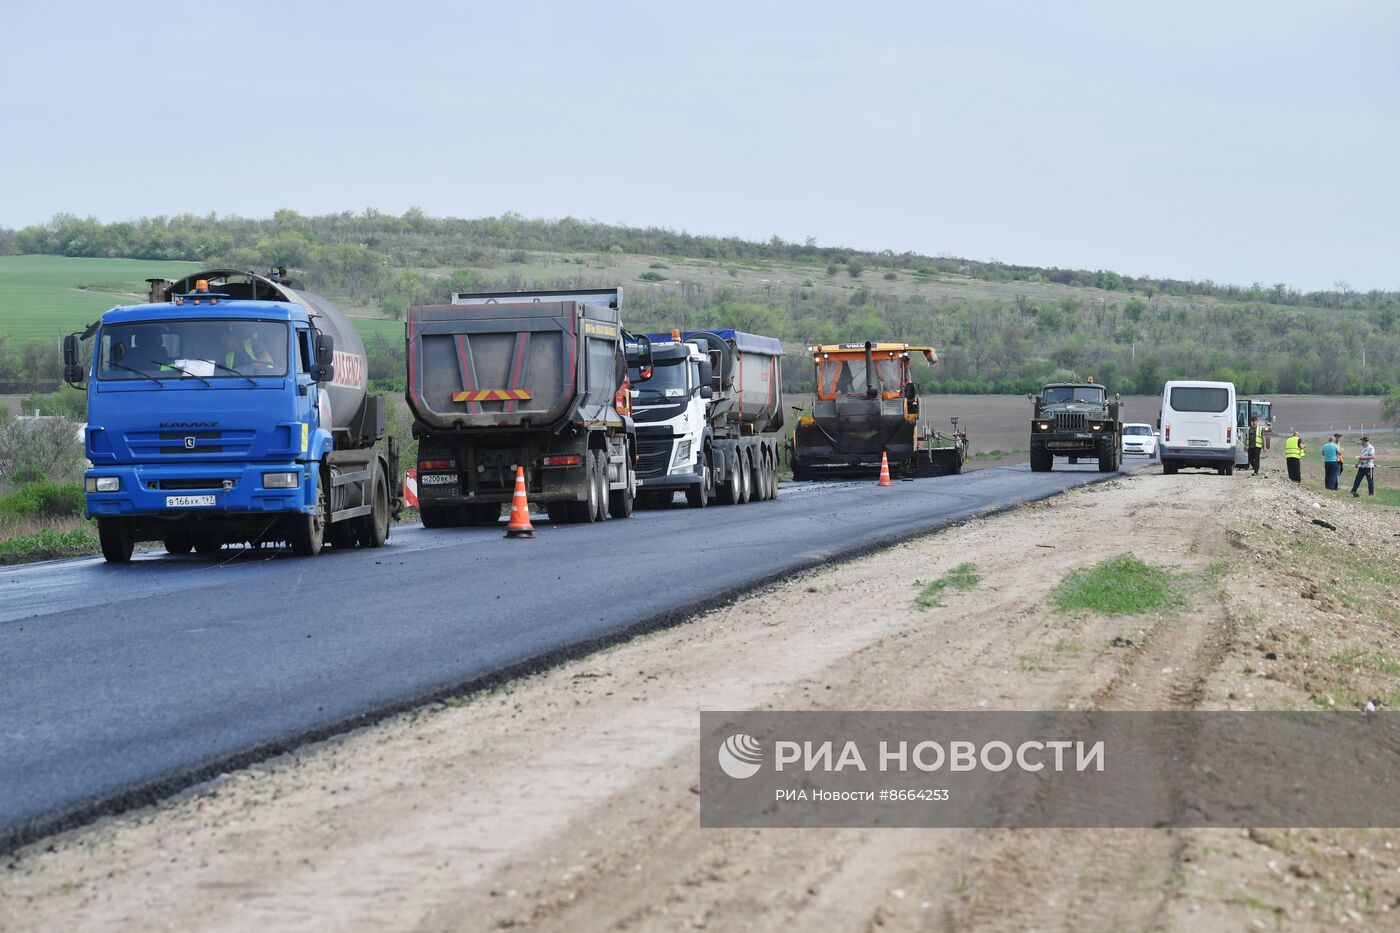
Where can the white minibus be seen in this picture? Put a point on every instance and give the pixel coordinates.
(1198, 426)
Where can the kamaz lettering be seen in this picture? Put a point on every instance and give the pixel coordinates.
(189, 424)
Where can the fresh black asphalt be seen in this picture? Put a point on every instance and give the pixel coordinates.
(121, 684)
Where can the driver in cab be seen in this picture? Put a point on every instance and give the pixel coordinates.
(240, 352)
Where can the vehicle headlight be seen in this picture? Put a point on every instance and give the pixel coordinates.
(104, 483)
(1096, 427)
(281, 480)
(1043, 425)
(683, 451)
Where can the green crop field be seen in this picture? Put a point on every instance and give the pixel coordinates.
(44, 296)
(48, 296)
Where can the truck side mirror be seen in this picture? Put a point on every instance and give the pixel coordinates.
(72, 368)
(707, 376)
(643, 352)
(707, 392)
(323, 369)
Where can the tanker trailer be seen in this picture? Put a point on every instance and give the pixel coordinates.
(232, 408)
(867, 406)
(707, 409)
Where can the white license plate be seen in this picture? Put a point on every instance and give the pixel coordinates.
(437, 479)
(1197, 443)
(188, 502)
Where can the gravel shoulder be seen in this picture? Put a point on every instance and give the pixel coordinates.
(568, 800)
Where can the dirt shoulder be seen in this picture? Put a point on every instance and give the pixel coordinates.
(568, 800)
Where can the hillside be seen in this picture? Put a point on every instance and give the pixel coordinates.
(998, 328)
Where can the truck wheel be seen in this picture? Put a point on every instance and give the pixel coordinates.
(773, 481)
(309, 531)
(697, 497)
(587, 510)
(621, 502)
(373, 529)
(1041, 460)
(1169, 467)
(745, 479)
(432, 516)
(600, 481)
(1106, 464)
(729, 492)
(1230, 470)
(117, 540)
(178, 541)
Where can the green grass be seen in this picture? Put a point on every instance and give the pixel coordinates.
(45, 296)
(961, 577)
(1120, 585)
(47, 543)
(49, 296)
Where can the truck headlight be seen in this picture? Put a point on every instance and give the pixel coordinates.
(281, 480)
(1096, 427)
(104, 483)
(683, 451)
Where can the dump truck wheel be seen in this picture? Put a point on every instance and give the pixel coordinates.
(600, 480)
(699, 496)
(745, 480)
(116, 538)
(621, 502)
(1041, 461)
(587, 510)
(728, 494)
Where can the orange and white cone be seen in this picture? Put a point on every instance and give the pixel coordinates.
(885, 469)
(519, 525)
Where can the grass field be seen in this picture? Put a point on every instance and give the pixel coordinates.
(48, 296)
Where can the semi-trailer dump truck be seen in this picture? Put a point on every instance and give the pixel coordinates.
(536, 380)
(232, 407)
(707, 407)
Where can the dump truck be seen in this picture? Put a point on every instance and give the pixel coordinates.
(707, 409)
(232, 407)
(1074, 420)
(867, 407)
(534, 379)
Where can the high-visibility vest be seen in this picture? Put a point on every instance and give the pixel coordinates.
(247, 348)
(1258, 439)
(1292, 448)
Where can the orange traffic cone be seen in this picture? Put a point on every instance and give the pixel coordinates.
(885, 469)
(519, 525)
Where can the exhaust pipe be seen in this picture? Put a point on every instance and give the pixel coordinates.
(871, 384)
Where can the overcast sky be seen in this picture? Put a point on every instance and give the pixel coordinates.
(1238, 142)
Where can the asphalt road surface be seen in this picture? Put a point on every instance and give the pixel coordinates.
(120, 684)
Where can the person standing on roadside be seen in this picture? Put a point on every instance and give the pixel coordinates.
(1293, 453)
(1255, 444)
(1365, 467)
(1331, 464)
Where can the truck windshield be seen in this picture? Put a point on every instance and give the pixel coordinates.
(847, 377)
(1262, 410)
(667, 382)
(1199, 398)
(192, 350)
(1091, 394)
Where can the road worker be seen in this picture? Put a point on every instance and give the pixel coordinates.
(1293, 452)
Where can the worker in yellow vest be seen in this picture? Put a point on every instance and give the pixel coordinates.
(1293, 451)
(1255, 443)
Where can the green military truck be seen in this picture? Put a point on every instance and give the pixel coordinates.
(1076, 419)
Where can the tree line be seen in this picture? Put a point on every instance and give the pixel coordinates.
(1130, 333)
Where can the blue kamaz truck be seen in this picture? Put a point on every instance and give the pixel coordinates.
(232, 408)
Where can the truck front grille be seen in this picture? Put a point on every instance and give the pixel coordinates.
(653, 456)
(1071, 421)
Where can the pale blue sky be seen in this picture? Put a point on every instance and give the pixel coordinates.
(1232, 141)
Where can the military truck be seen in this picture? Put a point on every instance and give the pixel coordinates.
(1076, 419)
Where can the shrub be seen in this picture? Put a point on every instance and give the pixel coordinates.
(890, 276)
(652, 277)
(42, 500)
(832, 269)
(855, 267)
(47, 448)
(658, 265)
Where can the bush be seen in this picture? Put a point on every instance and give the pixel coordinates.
(658, 265)
(47, 448)
(652, 277)
(890, 276)
(42, 500)
(855, 267)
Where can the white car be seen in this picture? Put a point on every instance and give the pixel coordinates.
(1139, 440)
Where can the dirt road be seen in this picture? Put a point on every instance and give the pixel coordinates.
(568, 801)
